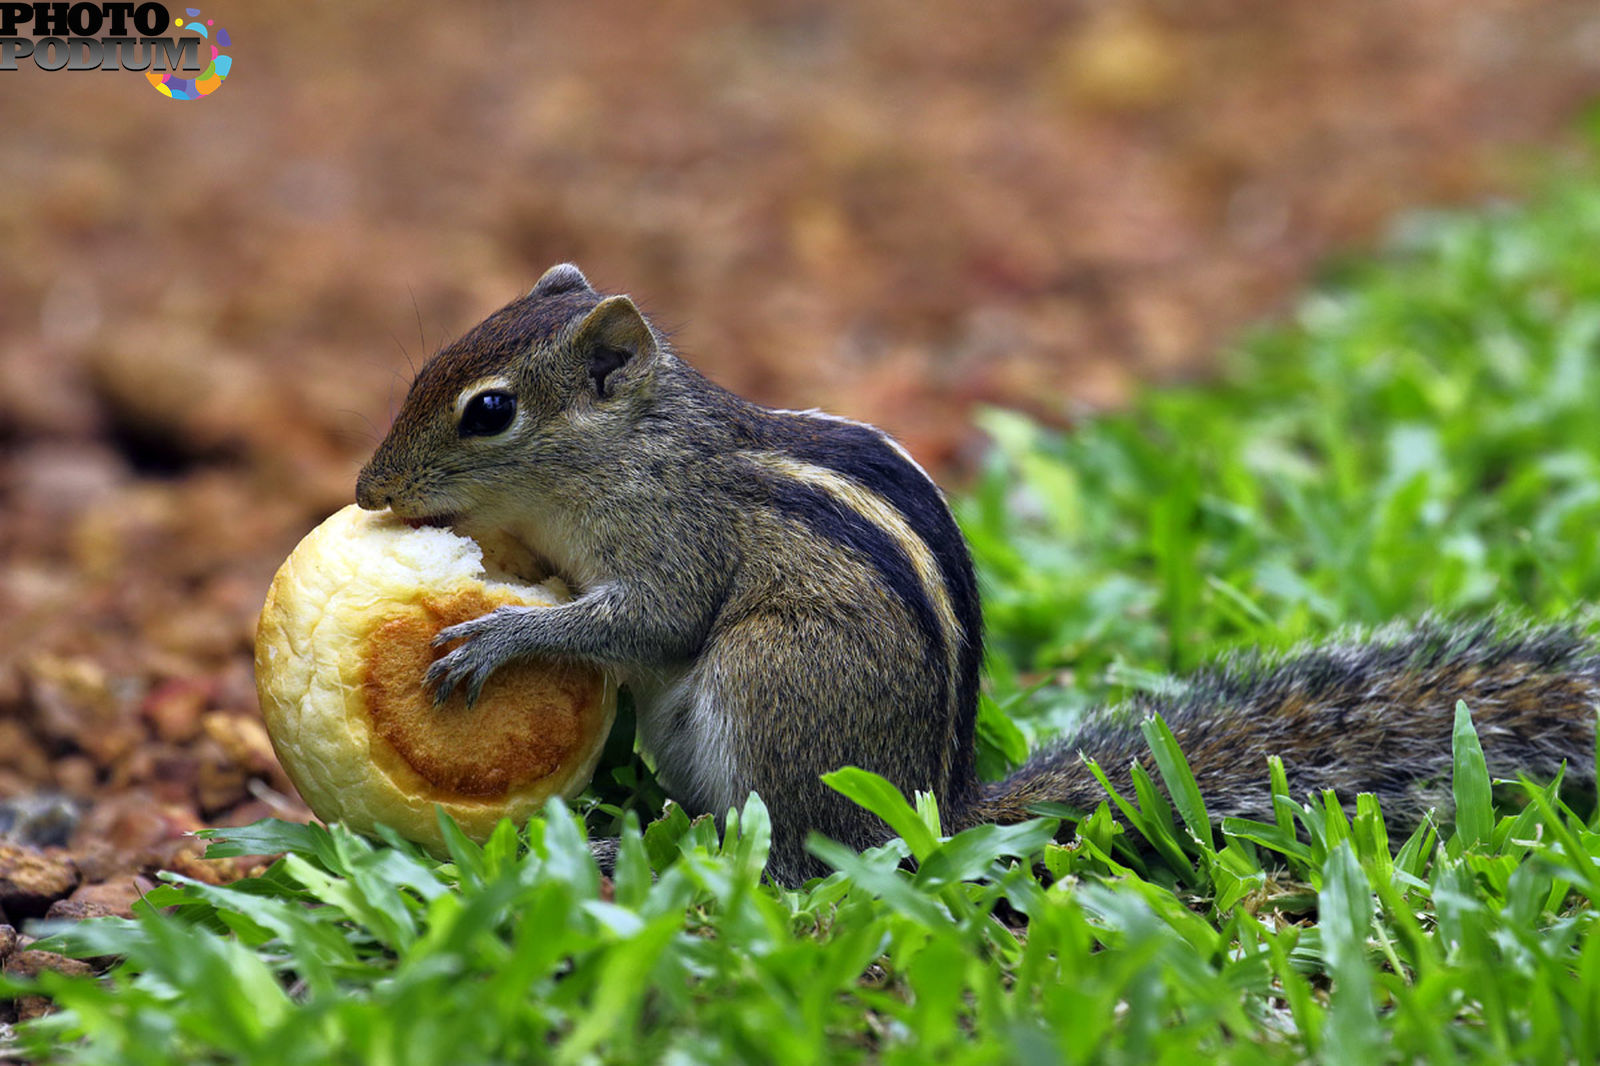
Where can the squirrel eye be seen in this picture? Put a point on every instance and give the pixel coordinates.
(488, 413)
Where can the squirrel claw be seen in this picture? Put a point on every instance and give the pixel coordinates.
(439, 681)
(486, 646)
(455, 669)
(462, 630)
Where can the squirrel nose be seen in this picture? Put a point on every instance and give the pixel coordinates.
(367, 494)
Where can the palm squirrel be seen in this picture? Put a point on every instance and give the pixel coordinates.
(786, 593)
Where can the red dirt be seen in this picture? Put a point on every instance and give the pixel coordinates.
(895, 211)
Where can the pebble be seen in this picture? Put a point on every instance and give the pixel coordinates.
(31, 879)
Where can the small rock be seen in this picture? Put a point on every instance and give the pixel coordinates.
(30, 879)
(59, 479)
(75, 701)
(77, 776)
(19, 751)
(136, 822)
(32, 963)
(174, 396)
(169, 771)
(41, 397)
(173, 707)
(222, 782)
(77, 910)
(116, 896)
(175, 774)
(245, 740)
(97, 859)
(268, 804)
(1121, 60)
(11, 687)
(39, 819)
(8, 941)
(187, 860)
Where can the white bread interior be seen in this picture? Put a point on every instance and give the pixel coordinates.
(343, 641)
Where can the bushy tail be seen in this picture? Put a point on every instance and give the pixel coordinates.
(1372, 714)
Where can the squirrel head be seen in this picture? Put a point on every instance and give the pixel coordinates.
(562, 373)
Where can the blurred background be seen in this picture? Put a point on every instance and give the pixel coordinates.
(897, 211)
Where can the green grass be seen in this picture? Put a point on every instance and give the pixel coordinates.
(1423, 435)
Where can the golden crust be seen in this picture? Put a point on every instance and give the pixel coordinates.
(344, 640)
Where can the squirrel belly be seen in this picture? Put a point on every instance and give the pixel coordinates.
(786, 593)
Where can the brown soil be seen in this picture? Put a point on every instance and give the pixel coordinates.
(895, 210)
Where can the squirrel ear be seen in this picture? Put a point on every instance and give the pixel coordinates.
(612, 336)
(563, 277)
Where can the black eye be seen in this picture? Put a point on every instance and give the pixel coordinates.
(488, 413)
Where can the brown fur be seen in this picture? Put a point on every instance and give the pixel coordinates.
(747, 573)
(786, 593)
(1366, 714)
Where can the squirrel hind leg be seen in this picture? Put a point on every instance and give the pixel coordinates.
(789, 702)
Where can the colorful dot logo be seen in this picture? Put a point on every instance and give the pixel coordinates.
(169, 83)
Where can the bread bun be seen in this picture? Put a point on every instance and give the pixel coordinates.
(344, 641)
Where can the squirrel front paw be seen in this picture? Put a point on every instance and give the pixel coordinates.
(492, 640)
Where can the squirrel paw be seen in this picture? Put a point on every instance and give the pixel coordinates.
(491, 640)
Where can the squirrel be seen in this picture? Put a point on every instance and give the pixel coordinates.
(787, 592)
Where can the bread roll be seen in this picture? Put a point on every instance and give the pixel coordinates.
(341, 650)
